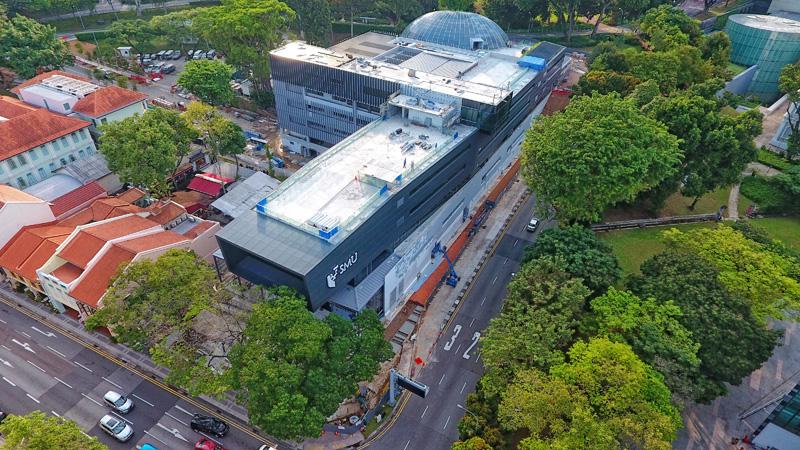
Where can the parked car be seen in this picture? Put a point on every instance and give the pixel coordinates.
(160, 55)
(3, 416)
(167, 54)
(211, 54)
(176, 54)
(168, 68)
(117, 428)
(146, 62)
(532, 225)
(207, 444)
(148, 446)
(189, 54)
(267, 447)
(118, 402)
(209, 424)
(199, 54)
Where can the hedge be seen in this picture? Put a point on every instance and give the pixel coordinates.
(769, 197)
(361, 28)
(90, 37)
(773, 160)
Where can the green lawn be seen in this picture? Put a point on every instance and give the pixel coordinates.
(736, 69)
(786, 229)
(633, 247)
(678, 205)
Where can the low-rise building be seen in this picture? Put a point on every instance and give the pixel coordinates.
(34, 142)
(18, 209)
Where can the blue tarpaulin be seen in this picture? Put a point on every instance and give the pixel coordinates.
(532, 62)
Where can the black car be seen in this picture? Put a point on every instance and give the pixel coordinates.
(209, 425)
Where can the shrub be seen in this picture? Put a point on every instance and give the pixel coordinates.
(767, 195)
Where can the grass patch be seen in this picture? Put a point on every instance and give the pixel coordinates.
(736, 69)
(678, 205)
(104, 20)
(633, 247)
(785, 229)
(774, 160)
(373, 424)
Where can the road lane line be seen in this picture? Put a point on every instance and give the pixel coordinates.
(84, 367)
(6, 363)
(462, 388)
(478, 358)
(56, 352)
(505, 262)
(473, 321)
(111, 382)
(26, 335)
(126, 420)
(179, 420)
(458, 348)
(442, 379)
(32, 398)
(406, 447)
(34, 365)
(446, 422)
(48, 333)
(93, 400)
(140, 398)
(516, 242)
(3, 321)
(423, 412)
(173, 432)
(62, 382)
(154, 437)
(5, 347)
(9, 381)
(184, 411)
(484, 299)
(55, 413)
(494, 280)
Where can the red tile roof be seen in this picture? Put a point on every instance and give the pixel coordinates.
(199, 229)
(88, 242)
(25, 130)
(31, 247)
(102, 209)
(131, 195)
(67, 273)
(77, 198)
(43, 76)
(166, 213)
(94, 284)
(107, 100)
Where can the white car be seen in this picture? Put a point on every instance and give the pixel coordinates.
(532, 225)
(119, 402)
(117, 428)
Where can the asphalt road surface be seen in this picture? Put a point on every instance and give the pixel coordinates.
(455, 365)
(44, 370)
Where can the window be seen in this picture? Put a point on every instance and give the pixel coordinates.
(66, 106)
(43, 149)
(64, 142)
(103, 121)
(55, 145)
(42, 173)
(12, 164)
(89, 151)
(81, 154)
(75, 138)
(71, 158)
(22, 160)
(31, 178)
(63, 162)
(21, 183)
(52, 167)
(33, 154)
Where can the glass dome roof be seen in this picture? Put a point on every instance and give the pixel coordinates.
(458, 29)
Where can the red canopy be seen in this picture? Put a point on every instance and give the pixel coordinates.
(208, 187)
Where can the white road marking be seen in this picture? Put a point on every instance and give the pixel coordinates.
(442, 379)
(462, 388)
(484, 299)
(494, 280)
(449, 344)
(406, 447)
(475, 337)
(173, 432)
(23, 345)
(25, 334)
(93, 400)
(32, 398)
(458, 348)
(48, 333)
(152, 436)
(55, 413)
(179, 420)
(1, 345)
(423, 412)
(516, 242)
(56, 352)
(473, 321)
(120, 417)
(83, 367)
(478, 358)
(183, 410)
(86, 434)
(62, 382)
(34, 365)
(505, 262)
(140, 398)
(9, 381)
(6, 363)
(446, 422)
(3, 321)
(111, 382)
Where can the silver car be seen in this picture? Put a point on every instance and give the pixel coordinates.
(119, 402)
(117, 428)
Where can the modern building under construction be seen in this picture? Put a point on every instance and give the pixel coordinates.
(409, 133)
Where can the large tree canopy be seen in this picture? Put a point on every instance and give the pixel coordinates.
(732, 342)
(39, 431)
(27, 46)
(209, 80)
(601, 150)
(669, 27)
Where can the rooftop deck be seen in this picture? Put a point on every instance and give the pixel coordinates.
(340, 189)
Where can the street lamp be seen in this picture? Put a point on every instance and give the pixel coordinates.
(465, 409)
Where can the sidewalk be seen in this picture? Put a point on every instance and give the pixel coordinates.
(137, 360)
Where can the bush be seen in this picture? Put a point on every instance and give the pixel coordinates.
(767, 195)
(90, 37)
(773, 160)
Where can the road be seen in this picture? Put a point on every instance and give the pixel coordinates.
(455, 365)
(45, 370)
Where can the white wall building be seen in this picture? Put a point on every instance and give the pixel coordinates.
(18, 209)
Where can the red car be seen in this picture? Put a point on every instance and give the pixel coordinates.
(207, 444)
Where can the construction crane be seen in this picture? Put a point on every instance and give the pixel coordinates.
(452, 276)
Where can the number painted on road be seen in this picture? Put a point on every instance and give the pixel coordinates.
(475, 338)
(449, 344)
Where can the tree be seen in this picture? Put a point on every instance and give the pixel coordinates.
(537, 323)
(789, 84)
(645, 93)
(220, 136)
(583, 254)
(209, 80)
(400, 11)
(38, 431)
(349, 8)
(27, 46)
(732, 342)
(456, 5)
(246, 31)
(716, 49)
(605, 395)
(654, 331)
(716, 147)
(149, 299)
(677, 68)
(669, 27)
(601, 150)
(473, 443)
(502, 12)
(145, 149)
(605, 82)
(766, 280)
(177, 26)
(136, 34)
(314, 20)
(292, 370)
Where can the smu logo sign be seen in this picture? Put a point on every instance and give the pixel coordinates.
(340, 269)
